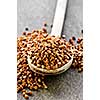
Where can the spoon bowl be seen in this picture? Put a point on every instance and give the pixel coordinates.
(49, 72)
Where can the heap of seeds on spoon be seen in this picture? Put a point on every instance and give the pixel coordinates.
(47, 52)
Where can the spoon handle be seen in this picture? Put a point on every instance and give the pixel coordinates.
(59, 17)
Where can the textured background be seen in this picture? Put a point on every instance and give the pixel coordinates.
(32, 14)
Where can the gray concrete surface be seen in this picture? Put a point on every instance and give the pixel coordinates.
(32, 14)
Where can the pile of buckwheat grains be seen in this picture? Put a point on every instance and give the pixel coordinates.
(50, 52)
(47, 52)
(77, 53)
(26, 79)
